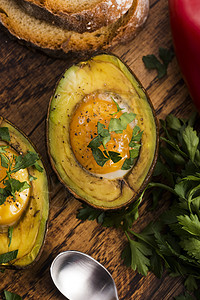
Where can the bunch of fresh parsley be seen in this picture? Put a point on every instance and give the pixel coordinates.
(172, 241)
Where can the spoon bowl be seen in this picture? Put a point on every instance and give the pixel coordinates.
(78, 276)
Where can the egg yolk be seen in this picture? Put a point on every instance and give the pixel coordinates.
(12, 209)
(83, 128)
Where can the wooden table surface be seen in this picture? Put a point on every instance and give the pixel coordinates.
(27, 80)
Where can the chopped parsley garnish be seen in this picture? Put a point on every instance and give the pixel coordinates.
(13, 165)
(117, 125)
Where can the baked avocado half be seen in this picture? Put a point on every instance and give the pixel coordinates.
(24, 199)
(102, 132)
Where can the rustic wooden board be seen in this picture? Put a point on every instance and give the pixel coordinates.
(27, 80)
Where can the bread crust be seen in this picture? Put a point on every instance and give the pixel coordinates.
(102, 14)
(53, 39)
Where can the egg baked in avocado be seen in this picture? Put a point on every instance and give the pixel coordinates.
(24, 200)
(102, 132)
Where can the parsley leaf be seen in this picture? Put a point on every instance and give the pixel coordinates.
(190, 223)
(128, 163)
(152, 62)
(95, 143)
(118, 107)
(192, 246)
(185, 296)
(99, 157)
(26, 161)
(191, 141)
(11, 296)
(191, 283)
(10, 232)
(103, 133)
(136, 136)
(38, 167)
(4, 158)
(114, 156)
(31, 178)
(166, 55)
(102, 138)
(8, 256)
(139, 256)
(4, 134)
(118, 125)
(3, 195)
(13, 185)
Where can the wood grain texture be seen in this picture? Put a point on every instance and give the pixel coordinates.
(27, 80)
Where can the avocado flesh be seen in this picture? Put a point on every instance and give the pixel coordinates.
(103, 73)
(29, 233)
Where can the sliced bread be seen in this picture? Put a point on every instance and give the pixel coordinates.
(54, 39)
(79, 16)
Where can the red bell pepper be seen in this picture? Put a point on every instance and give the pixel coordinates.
(185, 27)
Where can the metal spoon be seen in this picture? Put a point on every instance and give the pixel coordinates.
(78, 276)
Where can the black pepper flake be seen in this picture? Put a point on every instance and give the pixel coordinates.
(90, 169)
(88, 120)
(91, 136)
(101, 177)
(76, 133)
(35, 214)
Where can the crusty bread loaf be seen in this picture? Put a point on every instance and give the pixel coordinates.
(53, 38)
(80, 16)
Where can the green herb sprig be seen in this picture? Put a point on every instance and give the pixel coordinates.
(173, 241)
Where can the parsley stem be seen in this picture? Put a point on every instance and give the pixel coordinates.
(162, 186)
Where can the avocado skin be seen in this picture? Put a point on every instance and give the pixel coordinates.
(103, 72)
(29, 233)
